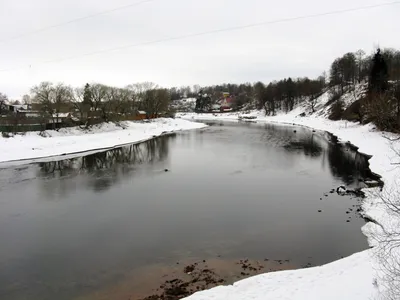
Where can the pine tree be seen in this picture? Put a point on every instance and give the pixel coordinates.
(378, 80)
(87, 95)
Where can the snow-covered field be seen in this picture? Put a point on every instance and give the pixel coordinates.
(357, 277)
(68, 141)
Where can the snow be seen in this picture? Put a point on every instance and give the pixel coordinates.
(76, 140)
(354, 273)
(61, 115)
(357, 277)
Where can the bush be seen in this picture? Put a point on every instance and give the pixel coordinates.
(6, 134)
(381, 110)
(336, 111)
(44, 134)
(355, 112)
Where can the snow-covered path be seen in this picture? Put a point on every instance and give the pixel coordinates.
(75, 140)
(353, 278)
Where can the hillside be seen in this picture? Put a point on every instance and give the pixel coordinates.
(323, 106)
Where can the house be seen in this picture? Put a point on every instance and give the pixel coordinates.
(23, 110)
(227, 102)
(141, 115)
(59, 118)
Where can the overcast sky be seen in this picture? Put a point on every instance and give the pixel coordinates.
(298, 48)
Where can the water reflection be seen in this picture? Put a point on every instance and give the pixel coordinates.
(147, 152)
(308, 145)
(348, 164)
(344, 162)
(104, 168)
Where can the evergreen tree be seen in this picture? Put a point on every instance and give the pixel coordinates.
(378, 80)
(87, 95)
(203, 102)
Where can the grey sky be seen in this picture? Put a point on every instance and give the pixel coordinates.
(298, 48)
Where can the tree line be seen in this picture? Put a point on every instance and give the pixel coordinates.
(346, 73)
(105, 103)
(380, 74)
(94, 103)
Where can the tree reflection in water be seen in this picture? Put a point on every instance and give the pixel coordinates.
(344, 162)
(109, 167)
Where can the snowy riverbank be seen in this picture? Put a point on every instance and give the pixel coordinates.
(356, 277)
(72, 140)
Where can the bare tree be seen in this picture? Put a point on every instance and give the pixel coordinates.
(15, 102)
(98, 99)
(381, 109)
(156, 101)
(42, 94)
(82, 108)
(360, 61)
(124, 102)
(3, 103)
(53, 99)
(143, 95)
(387, 244)
(26, 99)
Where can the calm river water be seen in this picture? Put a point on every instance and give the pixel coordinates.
(72, 227)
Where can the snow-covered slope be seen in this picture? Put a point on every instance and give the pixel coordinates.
(357, 277)
(74, 140)
(186, 104)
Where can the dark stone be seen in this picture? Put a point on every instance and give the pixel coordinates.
(319, 210)
(166, 170)
(341, 189)
(189, 269)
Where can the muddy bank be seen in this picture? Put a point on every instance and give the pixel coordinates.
(161, 282)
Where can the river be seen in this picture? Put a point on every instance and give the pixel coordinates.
(91, 226)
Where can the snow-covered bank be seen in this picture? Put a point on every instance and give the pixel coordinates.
(355, 277)
(75, 140)
(346, 279)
